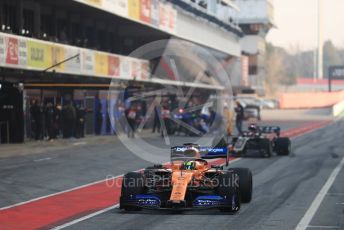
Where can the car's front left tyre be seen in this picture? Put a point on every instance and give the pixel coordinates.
(228, 189)
(245, 183)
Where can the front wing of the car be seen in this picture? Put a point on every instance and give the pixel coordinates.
(153, 202)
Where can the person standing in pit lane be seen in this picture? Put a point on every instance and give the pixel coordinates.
(69, 120)
(156, 121)
(131, 116)
(50, 118)
(34, 117)
(239, 110)
(80, 121)
(166, 118)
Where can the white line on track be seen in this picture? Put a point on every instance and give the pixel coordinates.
(80, 143)
(324, 227)
(43, 159)
(85, 217)
(57, 193)
(307, 218)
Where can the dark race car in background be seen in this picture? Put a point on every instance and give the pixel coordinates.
(260, 141)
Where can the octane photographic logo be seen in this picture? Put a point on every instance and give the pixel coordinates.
(185, 79)
(154, 180)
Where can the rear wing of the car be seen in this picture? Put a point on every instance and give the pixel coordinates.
(270, 129)
(178, 153)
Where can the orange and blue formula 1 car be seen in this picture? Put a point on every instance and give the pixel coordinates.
(191, 182)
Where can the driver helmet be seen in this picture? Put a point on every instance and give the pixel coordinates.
(189, 165)
(253, 128)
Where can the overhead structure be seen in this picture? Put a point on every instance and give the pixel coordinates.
(255, 18)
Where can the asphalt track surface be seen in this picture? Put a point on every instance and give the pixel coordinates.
(284, 187)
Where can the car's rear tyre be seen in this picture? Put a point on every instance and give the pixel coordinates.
(132, 185)
(227, 188)
(245, 183)
(283, 146)
(266, 147)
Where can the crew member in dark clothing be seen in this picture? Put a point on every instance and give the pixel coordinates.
(69, 120)
(35, 123)
(239, 110)
(50, 119)
(166, 118)
(131, 115)
(58, 119)
(80, 121)
(156, 121)
(40, 122)
(99, 118)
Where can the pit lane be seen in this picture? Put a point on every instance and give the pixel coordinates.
(278, 183)
(284, 188)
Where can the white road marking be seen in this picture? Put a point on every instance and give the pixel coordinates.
(65, 191)
(307, 218)
(43, 159)
(85, 217)
(57, 193)
(322, 227)
(80, 143)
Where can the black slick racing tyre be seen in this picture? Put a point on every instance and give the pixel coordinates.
(245, 183)
(132, 184)
(227, 188)
(283, 146)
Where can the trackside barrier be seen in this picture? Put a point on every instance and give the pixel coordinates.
(310, 100)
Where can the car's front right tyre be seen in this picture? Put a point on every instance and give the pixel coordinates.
(132, 185)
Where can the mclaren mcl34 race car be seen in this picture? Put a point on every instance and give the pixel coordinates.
(189, 183)
(260, 141)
